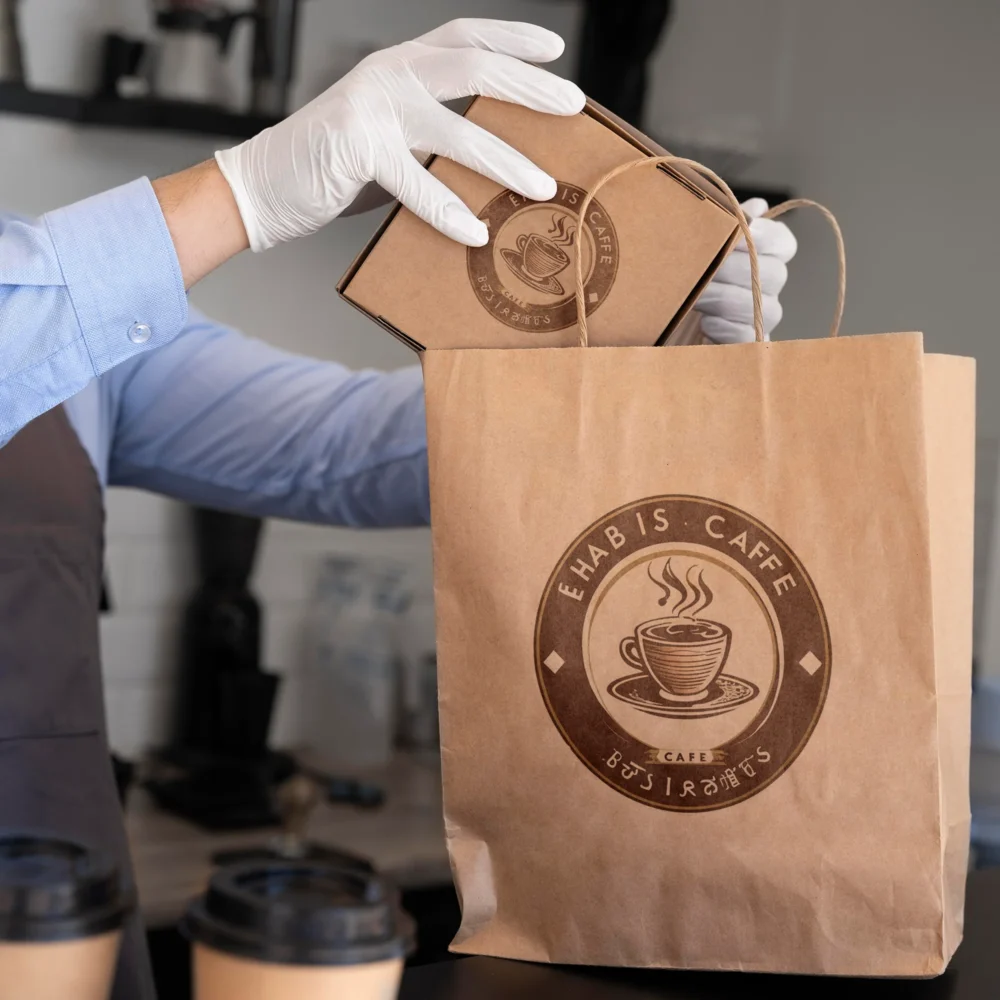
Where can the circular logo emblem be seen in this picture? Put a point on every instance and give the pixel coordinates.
(683, 652)
(525, 276)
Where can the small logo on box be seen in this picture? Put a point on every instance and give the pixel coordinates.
(525, 275)
(683, 652)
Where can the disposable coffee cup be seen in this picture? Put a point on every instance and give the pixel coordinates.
(62, 908)
(306, 930)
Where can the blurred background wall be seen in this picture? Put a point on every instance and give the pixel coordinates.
(885, 112)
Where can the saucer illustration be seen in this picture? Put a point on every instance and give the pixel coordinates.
(724, 694)
(515, 261)
(681, 656)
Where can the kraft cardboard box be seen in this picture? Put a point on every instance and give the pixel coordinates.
(651, 241)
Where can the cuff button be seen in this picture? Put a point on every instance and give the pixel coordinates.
(139, 333)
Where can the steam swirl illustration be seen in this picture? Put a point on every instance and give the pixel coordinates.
(536, 257)
(560, 232)
(693, 596)
(682, 654)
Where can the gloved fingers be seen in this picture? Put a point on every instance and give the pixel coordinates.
(724, 331)
(771, 237)
(423, 194)
(735, 270)
(449, 74)
(754, 208)
(512, 38)
(736, 304)
(447, 134)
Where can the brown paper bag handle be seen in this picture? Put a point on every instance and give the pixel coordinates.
(656, 161)
(773, 213)
(793, 203)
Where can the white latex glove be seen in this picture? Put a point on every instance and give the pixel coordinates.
(726, 305)
(295, 177)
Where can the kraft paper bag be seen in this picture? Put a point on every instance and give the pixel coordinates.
(704, 647)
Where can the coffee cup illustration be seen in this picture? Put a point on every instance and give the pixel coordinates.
(679, 657)
(539, 258)
(682, 655)
(542, 258)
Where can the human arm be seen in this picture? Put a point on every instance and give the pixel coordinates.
(202, 218)
(92, 285)
(82, 290)
(352, 148)
(219, 419)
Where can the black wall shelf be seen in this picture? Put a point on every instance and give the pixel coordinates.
(143, 113)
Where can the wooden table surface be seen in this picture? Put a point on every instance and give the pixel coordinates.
(404, 838)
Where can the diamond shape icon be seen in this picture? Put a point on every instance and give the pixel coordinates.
(553, 661)
(593, 297)
(810, 663)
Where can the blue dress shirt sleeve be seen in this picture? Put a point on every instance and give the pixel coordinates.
(82, 290)
(218, 419)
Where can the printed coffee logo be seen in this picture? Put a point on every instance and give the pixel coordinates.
(683, 652)
(525, 275)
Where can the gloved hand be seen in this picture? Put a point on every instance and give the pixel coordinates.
(295, 177)
(726, 304)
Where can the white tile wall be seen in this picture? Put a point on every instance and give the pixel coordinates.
(138, 646)
(138, 714)
(151, 575)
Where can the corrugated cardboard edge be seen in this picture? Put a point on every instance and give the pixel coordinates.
(949, 428)
(688, 178)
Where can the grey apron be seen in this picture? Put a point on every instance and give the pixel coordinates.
(55, 767)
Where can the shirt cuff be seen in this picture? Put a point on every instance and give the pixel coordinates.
(121, 272)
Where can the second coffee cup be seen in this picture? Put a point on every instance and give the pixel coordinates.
(297, 931)
(62, 907)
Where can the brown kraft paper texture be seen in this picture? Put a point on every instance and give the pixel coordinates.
(648, 246)
(704, 620)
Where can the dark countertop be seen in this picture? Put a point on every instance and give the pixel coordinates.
(974, 974)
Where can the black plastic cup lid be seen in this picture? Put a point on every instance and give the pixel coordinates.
(55, 890)
(300, 913)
